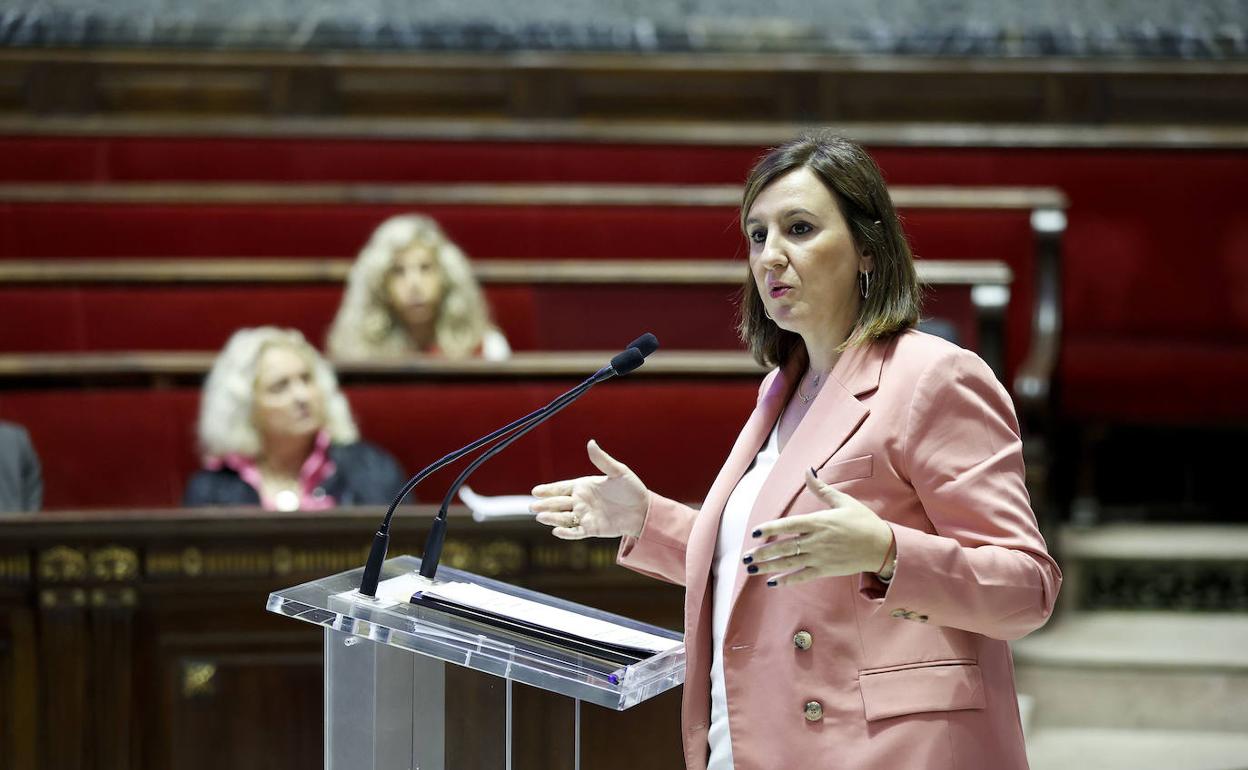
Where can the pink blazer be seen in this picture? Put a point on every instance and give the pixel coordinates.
(914, 674)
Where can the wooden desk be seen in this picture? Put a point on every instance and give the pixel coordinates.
(139, 639)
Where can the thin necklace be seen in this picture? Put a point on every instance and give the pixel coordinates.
(814, 384)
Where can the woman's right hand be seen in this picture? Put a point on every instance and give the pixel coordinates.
(594, 506)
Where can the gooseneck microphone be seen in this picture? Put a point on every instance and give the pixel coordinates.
(621, 365)
(625, 362)
(645, 344)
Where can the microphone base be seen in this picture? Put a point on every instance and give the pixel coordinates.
(372, 567)
(433, 549)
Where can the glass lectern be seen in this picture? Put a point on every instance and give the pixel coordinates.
(392, 700)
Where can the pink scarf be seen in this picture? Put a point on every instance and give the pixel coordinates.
(316, 469)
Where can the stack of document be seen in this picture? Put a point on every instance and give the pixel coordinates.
(518, 617)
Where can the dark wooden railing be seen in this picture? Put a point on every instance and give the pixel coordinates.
(139, 639)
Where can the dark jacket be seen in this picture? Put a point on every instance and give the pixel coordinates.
(364, 475)
(21, 480)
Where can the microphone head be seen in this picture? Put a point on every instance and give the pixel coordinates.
(625, 362)
(645, 344)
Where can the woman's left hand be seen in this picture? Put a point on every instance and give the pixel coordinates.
(845, 539)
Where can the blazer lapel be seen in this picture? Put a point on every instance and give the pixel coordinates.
(700, 551)
(833, 417)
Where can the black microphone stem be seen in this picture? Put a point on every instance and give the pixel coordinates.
(381, 540)
(623, 363)
(437, 533)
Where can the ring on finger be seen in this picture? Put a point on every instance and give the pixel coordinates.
(576, 521)
(799, 547)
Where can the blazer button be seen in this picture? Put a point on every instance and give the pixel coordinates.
(899, 613)
(802, 640)
(814, 711)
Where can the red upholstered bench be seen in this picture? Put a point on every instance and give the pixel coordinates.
(500, 221)
(1126, 224)
(577, 223)
(1152, 275)
(291, 158)
(100, 305)
(1163, 382)
(120, 445)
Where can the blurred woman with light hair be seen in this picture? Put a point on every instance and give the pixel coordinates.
(275, 431)
(411, 290)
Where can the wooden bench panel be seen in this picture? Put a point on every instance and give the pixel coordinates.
(1198, 382)
(490, 221)
(556, 316)
(29, 230)
(139, 638)
(157, 318)
(249, 159)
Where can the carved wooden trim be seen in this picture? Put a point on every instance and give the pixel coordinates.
(787, 62)
(639, 132)
(91, 573)
(113, 563)
(15, 568)
(62, 564)
(198, 678)
(591, 87)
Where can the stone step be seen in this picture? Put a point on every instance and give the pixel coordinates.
(1148, 567)
(1137, 670)
(1155, 542)
(1080, 748)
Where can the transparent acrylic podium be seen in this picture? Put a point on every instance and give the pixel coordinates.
(392, 700)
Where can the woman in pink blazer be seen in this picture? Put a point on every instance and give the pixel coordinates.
(855, 569)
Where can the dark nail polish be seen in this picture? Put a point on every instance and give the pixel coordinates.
(812, 472)
(748, 559)
(756, 533)
(771, 583)
(752, 569)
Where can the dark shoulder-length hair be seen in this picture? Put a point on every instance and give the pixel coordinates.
(856, 184)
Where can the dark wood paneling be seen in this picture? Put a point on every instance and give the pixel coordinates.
(558, 85)
(139, 639)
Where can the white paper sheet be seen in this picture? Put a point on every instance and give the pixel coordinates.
(563, 620)
(402, 587)
(487, 507)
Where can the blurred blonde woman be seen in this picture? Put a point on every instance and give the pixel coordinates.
(275, 431)
(412, 290)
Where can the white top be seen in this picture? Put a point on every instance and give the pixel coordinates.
(724, 573)
(494, 346)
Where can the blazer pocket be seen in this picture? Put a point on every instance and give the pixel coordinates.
(942, 686)
(845, 470)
